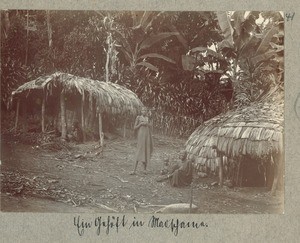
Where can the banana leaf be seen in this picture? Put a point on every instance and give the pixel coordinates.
(249, 47)
(199, 48)
(225, 44)
(155, 39)
(208, 51)
(148, 65)
(262, 57)
(278, 48)
(188, 62)
(180, 37)
(136, 17)
(225, 26)
(144, 20)
(156, 55)
(121, 39)
(127, 55)
(238, 17)
(265, 43)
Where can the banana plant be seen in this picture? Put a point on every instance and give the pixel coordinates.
(256, 50)
(135, 42)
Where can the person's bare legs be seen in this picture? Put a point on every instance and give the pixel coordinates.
(134, 171)
(145, 168)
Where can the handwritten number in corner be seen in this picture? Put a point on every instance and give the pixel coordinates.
(290, 16)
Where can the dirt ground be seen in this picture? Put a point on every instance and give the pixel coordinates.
(82, 178)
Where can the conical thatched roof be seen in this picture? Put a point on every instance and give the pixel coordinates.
(255, 131)
(110, 97)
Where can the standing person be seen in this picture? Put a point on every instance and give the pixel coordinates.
(143, 126)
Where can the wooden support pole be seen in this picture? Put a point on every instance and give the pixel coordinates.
(124, 128)
(220, 158)
(276, 175)
(63, 116)
(17, 115)
(191, 198)
(82, 118)
(24, 117)
(43, 113)
(238, 175)
(242, 173)
(93, 116)
(281, 171)
(101, 137)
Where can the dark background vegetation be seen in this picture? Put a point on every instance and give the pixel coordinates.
(162, 56)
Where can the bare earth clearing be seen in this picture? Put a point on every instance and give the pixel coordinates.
(81, 178)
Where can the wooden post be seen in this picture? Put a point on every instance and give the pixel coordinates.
(277, 165)
(241, 173)
(100, 130)
(82, 118)
(17, 115)
(93, 117)
(220, 158)
(24, 116)
(124, 129)
(281, 170)
(63, 116)
(43, 113)
(191, 199)
(55, 121)
(238, 176)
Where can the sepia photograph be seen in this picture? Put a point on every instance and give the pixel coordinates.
(142, 112)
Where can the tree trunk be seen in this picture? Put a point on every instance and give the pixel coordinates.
(17, 115)
(108, 54)
(110, 59)
(101, 137)
(6, 23)
(49, 29)
(27, 36)
(63, 116)
(107, 67)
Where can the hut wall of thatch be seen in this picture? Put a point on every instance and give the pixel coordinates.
(247, 140)
(66, 98)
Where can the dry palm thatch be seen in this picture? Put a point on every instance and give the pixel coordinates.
(110, 97)
(255, 131)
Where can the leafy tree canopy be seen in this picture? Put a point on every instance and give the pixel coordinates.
(174, 61)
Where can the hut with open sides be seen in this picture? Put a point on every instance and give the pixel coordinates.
(245, 145)
(86, 99)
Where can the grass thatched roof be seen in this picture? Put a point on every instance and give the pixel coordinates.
(110, 97)
(255, 131)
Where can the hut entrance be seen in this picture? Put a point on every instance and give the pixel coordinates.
(255, 173)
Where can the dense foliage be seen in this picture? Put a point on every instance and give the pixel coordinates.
(172, 60)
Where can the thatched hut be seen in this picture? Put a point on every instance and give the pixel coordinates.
(87, 98)
(243, 145)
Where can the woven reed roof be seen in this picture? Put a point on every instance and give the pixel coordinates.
(256, 131)
(110, 97)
